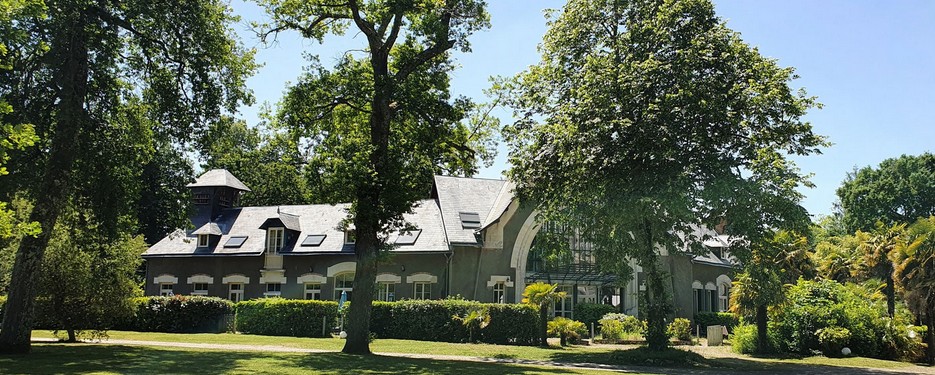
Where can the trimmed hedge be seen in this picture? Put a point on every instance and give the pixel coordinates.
(179, 314)
(592, 313)
(431, 320)
(285, 317)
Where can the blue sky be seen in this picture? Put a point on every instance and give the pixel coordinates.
(869, 62)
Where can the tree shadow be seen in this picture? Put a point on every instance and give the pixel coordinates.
(88, 358)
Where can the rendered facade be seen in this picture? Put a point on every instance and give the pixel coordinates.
(473, 239)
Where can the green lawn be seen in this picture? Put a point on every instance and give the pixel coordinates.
(575, 354)
(118, 359)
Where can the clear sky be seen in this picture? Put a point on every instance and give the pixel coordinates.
(871, 63)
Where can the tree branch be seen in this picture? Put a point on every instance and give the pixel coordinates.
(440, 46)
(365, 27)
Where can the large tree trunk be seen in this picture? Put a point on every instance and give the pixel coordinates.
(762, 340)
(656, 336)
(930, 337)
(544, 326)
(368, 212)
(53, 190)
(890, 292)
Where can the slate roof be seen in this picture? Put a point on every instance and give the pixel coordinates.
(459, 194)
(208, 228)
(312, 219)
(218, 177)
(504, 197)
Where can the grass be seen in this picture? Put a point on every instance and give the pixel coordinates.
(117, 359)
(717, 357)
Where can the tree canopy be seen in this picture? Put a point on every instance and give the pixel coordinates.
(646, 120)
(899, 190)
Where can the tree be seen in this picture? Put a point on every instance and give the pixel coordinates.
(915, 273)
(647, 119)
(877, 249)
(899, 190)
(760, 285)
(380, 123)
(90, 75)
(88, 279)
(837, 256)
(542, 295)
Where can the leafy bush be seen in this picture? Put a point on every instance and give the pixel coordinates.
(832, 339)
(431, 320)
(630, 324)
(2, 306)
(474, 321)
(284, 317)
(179, 314)
(611, 329)
(743, 340)
(592, 313)
(680, 328)
(705, 319)
(566, 329)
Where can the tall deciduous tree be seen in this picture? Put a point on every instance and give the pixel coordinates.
(648, 118)
(899, 190)
(377, 122)
(107, 74)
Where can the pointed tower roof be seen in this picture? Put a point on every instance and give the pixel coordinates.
(218, 177)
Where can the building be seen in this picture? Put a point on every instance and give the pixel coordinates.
(472, 239)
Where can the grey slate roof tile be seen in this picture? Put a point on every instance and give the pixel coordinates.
(218, 177)
(458, 194)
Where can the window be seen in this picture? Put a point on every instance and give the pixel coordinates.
(224, 199)
(165, 289)
(202, 240)
(422, 291)
(343, 283)
(273, 289)
(236, 292)
(274, 240)
(723, 296)
(499, 291)
(712, 297)
(200, 289)
(235, 241)
(313, 291)
(386, 292)
(350, 236)
(470, 220)
(202, 198)
(699, 299)
(563, 306)
(314, 240)
(408, 238)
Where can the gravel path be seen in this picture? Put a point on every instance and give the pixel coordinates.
(707, 352)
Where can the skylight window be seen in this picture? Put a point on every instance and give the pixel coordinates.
(235, 241)
(470, 220)
(314, 240)
(408, 238)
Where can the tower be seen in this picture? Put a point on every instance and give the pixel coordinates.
(212, 192)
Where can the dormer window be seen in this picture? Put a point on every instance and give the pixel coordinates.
(350, 237)
(274, 240)
(202, 240)
(202, 198)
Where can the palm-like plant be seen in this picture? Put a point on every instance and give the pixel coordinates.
(877, 248)
(542, 295)
(474, 321)
(914, 262)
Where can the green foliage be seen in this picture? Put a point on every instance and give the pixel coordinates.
(630, 324)
(612, 329)
(431, 320)
(899, 190)
(2, 302)
(475, 320)
(619, 116)
(180, 314)
(567, 330)
(705, 319)
(832, 340)
(284, 317)
(914, 272)
(680, 328)
(744, 340)
(591, 313)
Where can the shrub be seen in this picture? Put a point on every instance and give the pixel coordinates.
(705, 319)
(431, 320)
(475, 320)
(566, 329)
(680, 328)
(2, 306)
(630, 324)
(743, 340)
(611, 329)
(592, 313)
(832, 339)
(179, 314)
(284, 317)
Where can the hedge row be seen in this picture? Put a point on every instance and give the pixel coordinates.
(432, 320)
(180, 314)
(284, 317)
(705, 319)
(592, 313)
(2, 306)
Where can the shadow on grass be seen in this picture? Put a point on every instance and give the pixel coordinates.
(677, 361)
(84, 358)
